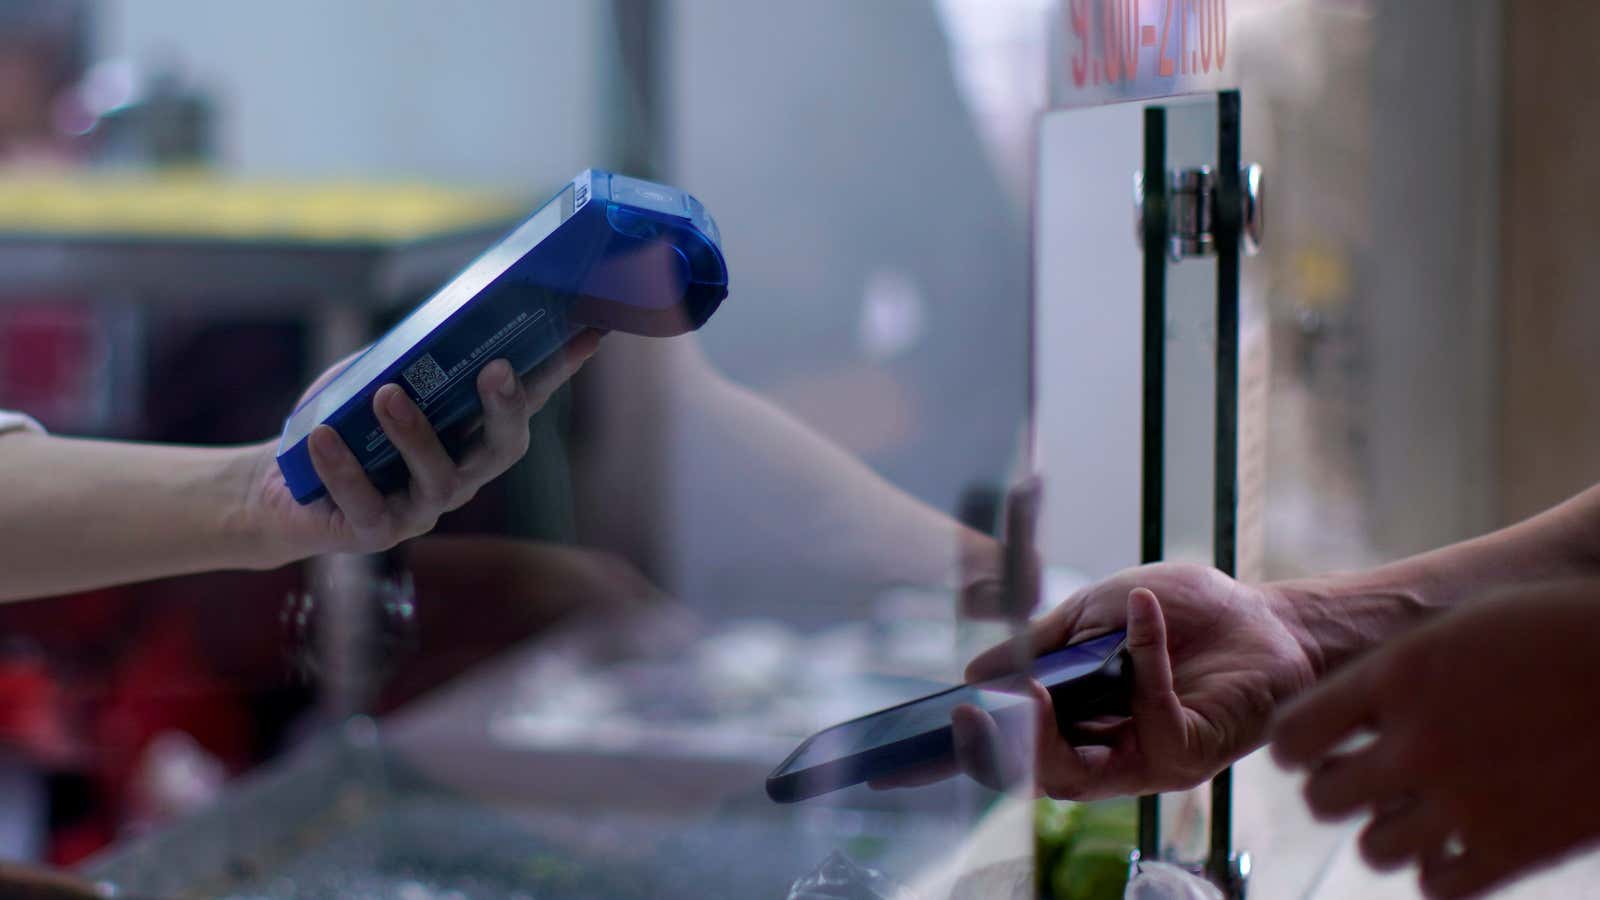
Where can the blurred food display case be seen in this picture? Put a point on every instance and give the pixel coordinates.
(600, 761)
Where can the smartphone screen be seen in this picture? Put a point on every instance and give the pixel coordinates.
(898, 723)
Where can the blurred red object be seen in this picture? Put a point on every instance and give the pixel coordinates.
(88, 681)
(32, 714)
(69, 363)
(165, 684)
(49, 354)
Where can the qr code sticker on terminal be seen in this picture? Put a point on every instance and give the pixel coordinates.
(425, 376)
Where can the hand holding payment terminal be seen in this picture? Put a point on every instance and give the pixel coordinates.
(607, 252)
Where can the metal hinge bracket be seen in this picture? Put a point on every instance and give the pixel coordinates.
(1191, 203)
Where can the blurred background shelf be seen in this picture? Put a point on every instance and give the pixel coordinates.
(207, 242)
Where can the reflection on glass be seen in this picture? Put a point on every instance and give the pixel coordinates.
(714, 547)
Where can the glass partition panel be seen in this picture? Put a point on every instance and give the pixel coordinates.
(596, 676)
(1088, 376)
(1095, 425)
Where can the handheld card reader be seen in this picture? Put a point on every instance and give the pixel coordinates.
(608, 252)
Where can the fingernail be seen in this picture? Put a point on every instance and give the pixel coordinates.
(508, 383)
(1140, 614)
(400, 409)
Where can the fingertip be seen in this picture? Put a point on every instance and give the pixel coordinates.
(498, 380)
(1147, 640)
(391, 403)
(967, 720)
(994, 662)
(578, 350)
(967, 725)
(981, 748)
(586, 343)
(984, 599)
(1286, 744)
(324, 445)
(1045, 706)
(1287, 757)
(1144, 610)
(1039, 692)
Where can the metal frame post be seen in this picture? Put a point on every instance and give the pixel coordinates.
(1152, 483)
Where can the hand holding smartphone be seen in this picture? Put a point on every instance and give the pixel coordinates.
(1086, 680)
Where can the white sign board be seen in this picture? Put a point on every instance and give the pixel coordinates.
(1106, 51)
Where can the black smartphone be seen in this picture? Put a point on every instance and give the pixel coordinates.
(1088, 679)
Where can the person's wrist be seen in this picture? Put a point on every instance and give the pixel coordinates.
(244, 522)
(1338, 618)
(1299, 607)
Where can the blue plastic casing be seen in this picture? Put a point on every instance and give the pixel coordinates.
(608, 252)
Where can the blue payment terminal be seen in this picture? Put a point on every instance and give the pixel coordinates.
(608, 252)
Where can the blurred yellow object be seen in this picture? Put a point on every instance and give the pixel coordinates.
(207, 207)
(1321, 277)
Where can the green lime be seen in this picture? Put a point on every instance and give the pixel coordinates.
(1095, 869)
(1112, 819)
(1053, 821)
